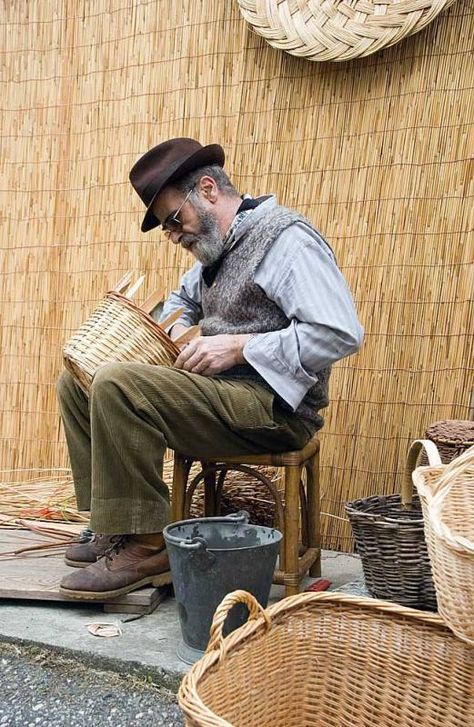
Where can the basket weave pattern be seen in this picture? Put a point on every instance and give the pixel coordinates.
(390, 539)
(447, 495)
(331, 659)
(117, 331)
(241, 492)
(451, 436)
(335, 30)
(391, 544)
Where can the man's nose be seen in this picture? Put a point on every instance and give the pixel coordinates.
(174, 236)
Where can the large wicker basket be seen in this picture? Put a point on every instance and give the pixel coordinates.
(390, 539)
(316, 660)
(338, 30)
(118, 331)
(447, 495)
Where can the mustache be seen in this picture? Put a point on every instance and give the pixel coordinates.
(188, 240)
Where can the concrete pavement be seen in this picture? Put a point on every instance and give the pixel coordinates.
(148, 644)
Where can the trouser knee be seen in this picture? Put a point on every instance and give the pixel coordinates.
(111, 378)
(131, 382)
(65, 386)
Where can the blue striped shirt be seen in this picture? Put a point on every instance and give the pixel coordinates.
(299, 273)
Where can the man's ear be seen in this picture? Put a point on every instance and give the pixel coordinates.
(208, 188)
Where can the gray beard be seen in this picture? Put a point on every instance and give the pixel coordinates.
(207, 245)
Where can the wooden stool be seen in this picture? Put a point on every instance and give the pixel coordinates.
(293, 565)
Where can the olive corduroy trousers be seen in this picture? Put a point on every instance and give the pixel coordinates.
(117, 437)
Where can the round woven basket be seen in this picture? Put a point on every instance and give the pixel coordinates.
(447, 495)
(451, 436)
(117, 331)
(315, 660)
(390, 539)
(338, 30)
(241, 491)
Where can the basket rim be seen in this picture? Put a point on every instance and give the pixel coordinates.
(380, 518)
(454, 442)
(277, 613)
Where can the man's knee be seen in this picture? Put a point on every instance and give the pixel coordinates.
(130, 379)
(109, 376)
(65, 385)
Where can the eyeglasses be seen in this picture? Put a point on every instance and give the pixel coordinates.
(173, 222)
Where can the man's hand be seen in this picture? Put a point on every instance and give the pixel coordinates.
(210, 355)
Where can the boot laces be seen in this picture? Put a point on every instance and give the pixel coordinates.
(85, 536)
(117, 543)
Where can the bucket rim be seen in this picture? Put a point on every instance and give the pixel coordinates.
(222, 519)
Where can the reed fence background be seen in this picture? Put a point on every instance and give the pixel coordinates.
(375, 152)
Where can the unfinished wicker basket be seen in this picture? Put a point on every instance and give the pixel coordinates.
(390, 539)
(314, 660)
(338, 30)
(447, 495)
(119, 331)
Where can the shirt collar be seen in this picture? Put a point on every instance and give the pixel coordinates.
(249, 211)
(265, 204)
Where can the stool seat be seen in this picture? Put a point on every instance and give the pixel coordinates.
(298, 515)
(276, 459)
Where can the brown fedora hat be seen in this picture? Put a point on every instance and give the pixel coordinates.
(164, 164)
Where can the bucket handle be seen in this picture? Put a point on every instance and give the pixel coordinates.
(198, 542)
(216, 639)
(434, 460)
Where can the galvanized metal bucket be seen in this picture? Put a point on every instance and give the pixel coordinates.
(209, 558)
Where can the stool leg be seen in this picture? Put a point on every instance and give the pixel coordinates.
(291, 568)
(210, 495)
(314, 518)
(180, 479)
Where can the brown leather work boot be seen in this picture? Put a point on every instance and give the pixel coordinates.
(85, 552)
(124, 567)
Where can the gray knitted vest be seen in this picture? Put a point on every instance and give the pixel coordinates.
(236, 304)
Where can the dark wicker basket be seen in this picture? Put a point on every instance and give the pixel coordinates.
(241, 492)
(451, 436)
(390, 540)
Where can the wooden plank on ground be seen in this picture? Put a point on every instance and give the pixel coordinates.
(37, 577)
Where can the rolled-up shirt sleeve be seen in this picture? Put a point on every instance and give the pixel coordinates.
(300, 274)
(188, 296)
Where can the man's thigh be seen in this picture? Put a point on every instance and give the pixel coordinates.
(207, 416)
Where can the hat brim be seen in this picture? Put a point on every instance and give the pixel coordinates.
(211, 154)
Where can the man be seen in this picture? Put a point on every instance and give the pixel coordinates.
(275, 314)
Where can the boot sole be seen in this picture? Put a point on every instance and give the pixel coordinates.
(161, 579)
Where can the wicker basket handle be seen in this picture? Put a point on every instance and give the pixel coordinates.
(451, 474)
(216, 639)
(412, 458)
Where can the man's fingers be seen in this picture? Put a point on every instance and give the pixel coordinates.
(186, 352)
(193, 362)
(209, 370)
(199, 367)
(205, 355)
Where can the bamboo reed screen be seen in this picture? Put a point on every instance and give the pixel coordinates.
(375, 152)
